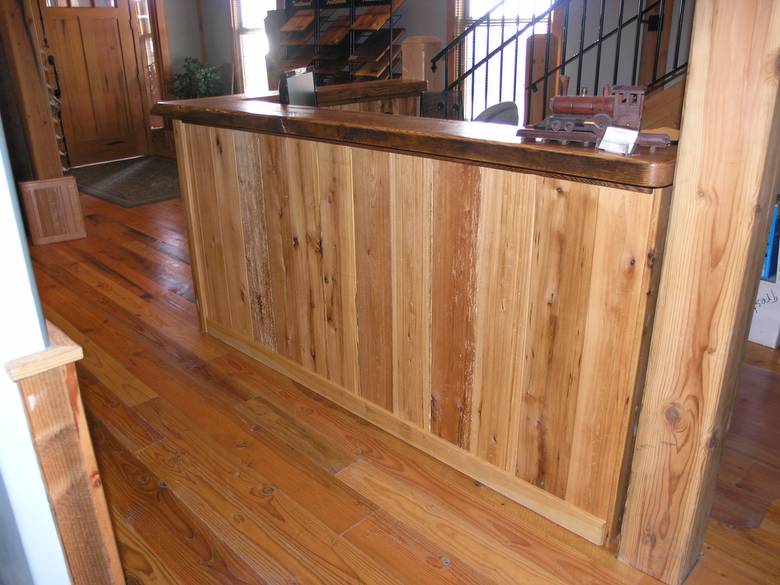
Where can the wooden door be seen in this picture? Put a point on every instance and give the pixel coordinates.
(102, 105)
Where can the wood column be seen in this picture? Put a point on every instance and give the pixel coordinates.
(726, 177)
(22, 48)
(50, 390)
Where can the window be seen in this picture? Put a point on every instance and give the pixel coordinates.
(146, 29)
(502, 79)
(251, 43)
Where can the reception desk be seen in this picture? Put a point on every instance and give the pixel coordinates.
(487, 301)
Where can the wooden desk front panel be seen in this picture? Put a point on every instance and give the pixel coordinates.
(492, 318)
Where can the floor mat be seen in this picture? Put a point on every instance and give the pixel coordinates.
(131, 182)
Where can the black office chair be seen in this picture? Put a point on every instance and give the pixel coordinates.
(296, 88)
(503, 113)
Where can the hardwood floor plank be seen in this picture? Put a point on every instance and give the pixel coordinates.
(258, 521)
(124, 423)
(409, 556)
(141, 564)
(187, 547)
(163, 223)
(203, 433)
(478, 504)
(104, 367)
(144, 269)
(261, 416)
(450, 531)
(160, 316)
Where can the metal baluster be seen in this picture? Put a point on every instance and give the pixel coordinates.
(517, 56)
(390, 65)
(487, 52)
(582, 44)
(530, 62)
(565, 39)
(636, 42)
(546, 65)
(598, 49)
(659, 34)
(473, 61)
(501, 62)
(617, 43)
(352, 35)
(680, 18)
(446, 84)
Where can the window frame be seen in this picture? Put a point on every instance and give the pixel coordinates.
(238, 31)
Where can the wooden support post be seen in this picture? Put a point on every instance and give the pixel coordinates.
(726, 177)
(22, 48)
(50, 389)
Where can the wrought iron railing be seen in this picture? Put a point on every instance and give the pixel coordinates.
(581, 39)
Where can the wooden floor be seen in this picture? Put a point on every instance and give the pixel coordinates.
(218, 470)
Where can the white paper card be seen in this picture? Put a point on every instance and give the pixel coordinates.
(619, 140)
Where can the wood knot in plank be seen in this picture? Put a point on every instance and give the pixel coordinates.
(672, 415)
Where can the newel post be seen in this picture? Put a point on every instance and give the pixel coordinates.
(726, 177)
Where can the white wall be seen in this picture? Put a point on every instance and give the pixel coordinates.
(183, 33)
(217, 31)
(425, 18)
(30, 550)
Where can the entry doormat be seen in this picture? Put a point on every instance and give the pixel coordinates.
(130, 182)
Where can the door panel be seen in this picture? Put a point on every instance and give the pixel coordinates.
(102, 110)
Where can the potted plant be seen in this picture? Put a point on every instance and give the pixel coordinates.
(196, 80)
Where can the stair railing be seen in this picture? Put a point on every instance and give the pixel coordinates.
(650, 12)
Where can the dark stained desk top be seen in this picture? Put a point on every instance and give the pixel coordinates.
(468, 142)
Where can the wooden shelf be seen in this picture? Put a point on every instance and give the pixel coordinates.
(375, 17)
(298, 38)
(300, 21)
(337, 31)
(332, 53)
(302, 58)
(376, 46)
(331, 69)
(378, 69)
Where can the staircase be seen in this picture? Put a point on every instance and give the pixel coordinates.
(519, 49)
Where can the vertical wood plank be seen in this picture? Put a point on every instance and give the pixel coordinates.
(410, 212)
(728, 167)
(195, 241)
(249, 163)
(305, 268)
(228, 209)
(279, 238)
(612, 341)
(338, 264)
(371, 184)
(456, 199)
(503, 268)
(204, 202)
(564, 231)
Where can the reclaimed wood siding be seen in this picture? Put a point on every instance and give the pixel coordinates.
(502, 312)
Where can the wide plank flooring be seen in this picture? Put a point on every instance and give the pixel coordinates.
(219, 470)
